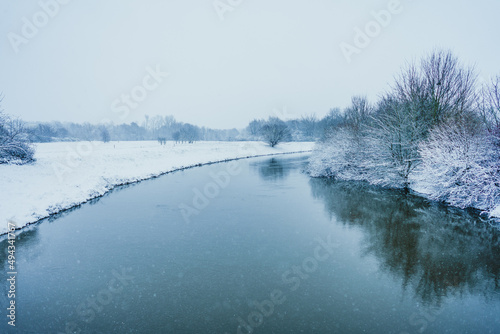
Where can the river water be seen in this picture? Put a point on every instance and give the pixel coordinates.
(256, 246)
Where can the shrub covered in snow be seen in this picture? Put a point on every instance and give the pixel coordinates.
(461, 167)
(342, 155)
(14, 144)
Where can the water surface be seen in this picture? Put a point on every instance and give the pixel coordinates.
(256, 246)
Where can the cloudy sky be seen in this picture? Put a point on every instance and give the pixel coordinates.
(222, 63)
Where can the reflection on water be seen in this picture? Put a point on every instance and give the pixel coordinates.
(439, 252)
(273, 170)
(27, 238)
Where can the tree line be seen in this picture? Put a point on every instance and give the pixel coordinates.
(152, 128)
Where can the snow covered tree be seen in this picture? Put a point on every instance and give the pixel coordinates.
(274, 131)
(440, 91)
(385, 146)
(395, 133)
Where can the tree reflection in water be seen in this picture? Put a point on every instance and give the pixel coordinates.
(437, 251)
(26, 239)
(273, 169)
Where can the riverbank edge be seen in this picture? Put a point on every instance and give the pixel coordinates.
(491, 216)
(111, 186)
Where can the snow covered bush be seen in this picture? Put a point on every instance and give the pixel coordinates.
(342, 156)
(346, 151)
(14, 144)
(379, 145)
(461, 166)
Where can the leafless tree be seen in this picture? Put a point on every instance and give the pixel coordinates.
(254, 127)
(449, 84)
(89, 131)
(358, 113)
(309, 124)
(275, 131)
(440, 89)
(489, 104)
(104, 132)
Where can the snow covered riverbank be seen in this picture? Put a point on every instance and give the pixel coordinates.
(452, 183)
(68, 174)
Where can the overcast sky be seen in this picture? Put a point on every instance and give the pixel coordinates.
(97, 60)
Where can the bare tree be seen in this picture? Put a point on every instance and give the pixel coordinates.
(176, 136)
(254, 127)
(440, 89)
(358, 114)
(105, 136)
(449, 84)
(331, 122)
(275, 131)
(410, 90)
(89, 131)
(189, 133)
(489, 104)
(309, 124)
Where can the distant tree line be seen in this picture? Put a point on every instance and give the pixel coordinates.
(152, 128)
(436, 130)
(163, 128)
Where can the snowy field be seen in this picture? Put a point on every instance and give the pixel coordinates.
(68, 174)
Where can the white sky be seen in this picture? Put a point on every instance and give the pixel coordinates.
(267, 57)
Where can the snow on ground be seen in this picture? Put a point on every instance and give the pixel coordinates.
(496, 212)
(68, 174)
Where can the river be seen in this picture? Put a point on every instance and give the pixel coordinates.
(256, 246)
